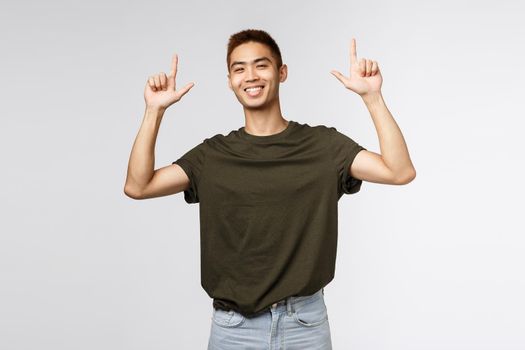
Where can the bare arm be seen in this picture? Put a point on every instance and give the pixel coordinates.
(393, 165)
(142, 180)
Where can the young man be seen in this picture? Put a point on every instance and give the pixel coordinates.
(268, 195)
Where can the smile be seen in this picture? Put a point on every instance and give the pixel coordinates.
(254, 91)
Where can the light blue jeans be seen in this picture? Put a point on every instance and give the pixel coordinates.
(293, 323)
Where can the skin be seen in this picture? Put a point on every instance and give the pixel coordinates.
(263, 117)
(393, 166)
(262, 114)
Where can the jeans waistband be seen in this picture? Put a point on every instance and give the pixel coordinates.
(290, 303)
(294, 302)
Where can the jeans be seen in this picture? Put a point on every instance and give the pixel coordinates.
(293, 323)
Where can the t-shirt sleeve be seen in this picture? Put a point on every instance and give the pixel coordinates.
(192, 162)
(343, 151)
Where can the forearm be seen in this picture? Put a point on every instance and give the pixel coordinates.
(142, 159)
(393, 147)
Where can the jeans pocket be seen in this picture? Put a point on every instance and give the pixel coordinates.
(228, 319)
(311, 314)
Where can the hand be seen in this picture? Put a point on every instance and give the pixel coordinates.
(365, 77)
(160, 89)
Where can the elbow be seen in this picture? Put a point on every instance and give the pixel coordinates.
(406, 177)
(132, 192)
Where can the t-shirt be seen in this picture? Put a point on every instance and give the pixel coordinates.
(268, 212)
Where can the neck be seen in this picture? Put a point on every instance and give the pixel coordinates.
(264, 122)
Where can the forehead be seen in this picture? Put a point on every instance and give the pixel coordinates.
(249, 50)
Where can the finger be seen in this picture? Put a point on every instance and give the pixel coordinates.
(353, 52)
(173, 71)
(374, 68)
(174, 62)
(368, 68)
(163, 80)
(151, 83)
(157, 81)
(362, 67)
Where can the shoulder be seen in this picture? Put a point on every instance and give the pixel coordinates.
(335, 139)
(221, 138)
(221, 141)
(319, 130)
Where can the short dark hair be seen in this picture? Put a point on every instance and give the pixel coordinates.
(255, 35)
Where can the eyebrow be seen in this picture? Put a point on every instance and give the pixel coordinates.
(254, 61)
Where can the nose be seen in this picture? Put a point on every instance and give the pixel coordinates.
(251, 74)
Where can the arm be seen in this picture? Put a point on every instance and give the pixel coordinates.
(393, 166)
(142, 180)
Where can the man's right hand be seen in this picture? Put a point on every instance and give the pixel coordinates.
(160, 89)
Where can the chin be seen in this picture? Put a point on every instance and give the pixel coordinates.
(253, 104)
(260, 105)
(257, 106)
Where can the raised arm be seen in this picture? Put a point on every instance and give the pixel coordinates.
(142, 181)
(393, 166)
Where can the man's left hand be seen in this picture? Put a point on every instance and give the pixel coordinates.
(365, 77)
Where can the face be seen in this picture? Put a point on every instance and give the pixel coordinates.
(252, 65)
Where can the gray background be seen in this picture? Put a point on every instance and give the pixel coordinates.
(436, 264)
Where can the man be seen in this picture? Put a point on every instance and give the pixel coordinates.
(268, 195)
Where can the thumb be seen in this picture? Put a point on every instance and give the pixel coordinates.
(185, 89)
(339, 76)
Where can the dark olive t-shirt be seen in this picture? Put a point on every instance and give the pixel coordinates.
(268, 211)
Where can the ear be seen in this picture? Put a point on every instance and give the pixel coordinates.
(283, 73)
(230, 83)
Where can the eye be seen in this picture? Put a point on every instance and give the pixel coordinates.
(262, 65)
(238, 70)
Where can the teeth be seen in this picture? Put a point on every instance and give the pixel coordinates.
(254, 88)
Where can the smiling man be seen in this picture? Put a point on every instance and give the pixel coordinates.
(268, 195)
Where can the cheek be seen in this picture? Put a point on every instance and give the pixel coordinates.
(237, 83)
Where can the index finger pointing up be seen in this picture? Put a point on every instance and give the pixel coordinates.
(174, 61)
(353, 53)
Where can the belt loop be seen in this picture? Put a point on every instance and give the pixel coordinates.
(289, 306)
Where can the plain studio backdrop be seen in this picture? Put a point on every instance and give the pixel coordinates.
(436, 264)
